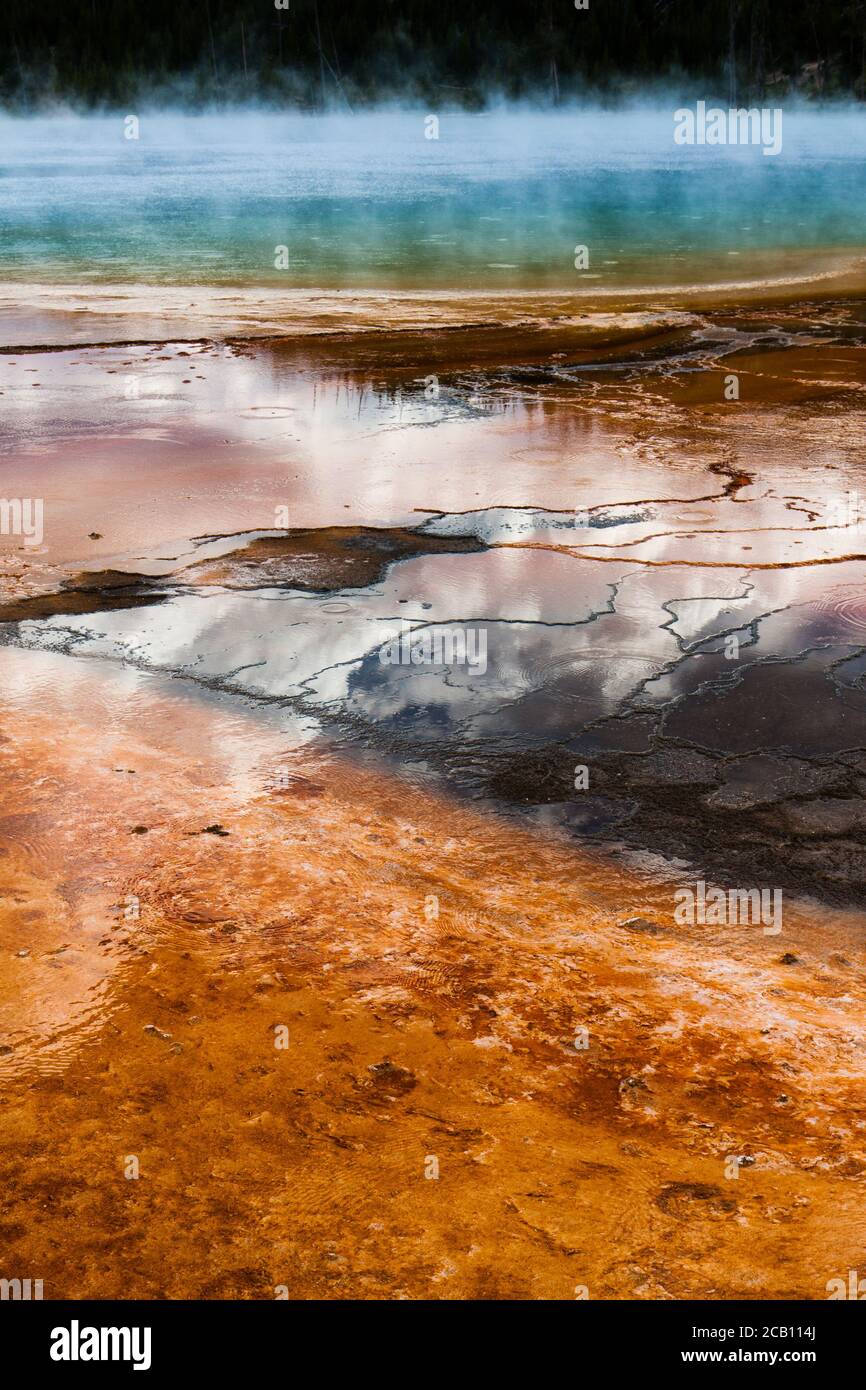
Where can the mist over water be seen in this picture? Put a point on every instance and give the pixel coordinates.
(500, 199)
(410, 629)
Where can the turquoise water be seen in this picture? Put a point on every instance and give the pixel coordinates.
(499, 200)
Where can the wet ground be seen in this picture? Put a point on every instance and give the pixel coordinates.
(673, 604)
(273, 1021)
(221, 705)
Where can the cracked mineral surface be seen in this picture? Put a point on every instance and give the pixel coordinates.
(228, 811)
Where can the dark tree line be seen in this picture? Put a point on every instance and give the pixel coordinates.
(350, 52)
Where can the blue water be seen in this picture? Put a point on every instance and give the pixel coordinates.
(500, 199)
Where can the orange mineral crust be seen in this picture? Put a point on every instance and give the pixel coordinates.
(361, 1042)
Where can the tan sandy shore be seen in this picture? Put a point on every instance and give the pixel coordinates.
(47, 314)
